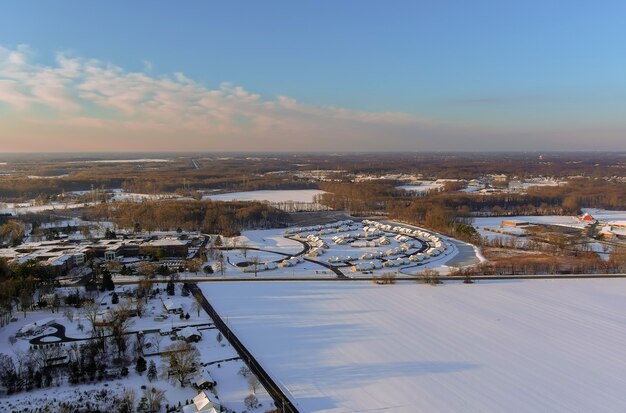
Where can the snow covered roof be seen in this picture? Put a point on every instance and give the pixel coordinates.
(202, 378)
(37, 324)
(171, 305)
(189, 332)
(163, 242)
(203, 404)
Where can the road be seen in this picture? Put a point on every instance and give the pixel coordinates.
(281, 401)
(372, 278)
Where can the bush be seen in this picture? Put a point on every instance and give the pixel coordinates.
(430, 277)
(386, 278)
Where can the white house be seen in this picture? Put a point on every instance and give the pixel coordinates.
(109, 256)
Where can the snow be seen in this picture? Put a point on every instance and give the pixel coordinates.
(604, 215)
(422, 187)
(17, 209)
(561, 220)
(220, 360)
(144, 160)
(518, 346)
(47, 177)
(272, 239)
(138, 197)
(295, 195)
(352, 261)
(232, 388)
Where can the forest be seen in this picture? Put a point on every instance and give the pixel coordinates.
(213, 217)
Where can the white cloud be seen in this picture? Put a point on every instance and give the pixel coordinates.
(176, 104)
(99, 106)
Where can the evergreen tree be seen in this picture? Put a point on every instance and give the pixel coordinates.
(141, 365)
(107, 281)
(152, 371)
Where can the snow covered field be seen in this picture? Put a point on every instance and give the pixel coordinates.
(23, 208)
(523, 346)
(562, 220)
(601, 215)
(423, 187)
(145, 160)
(605, 215)
(269, 239)
(295, 195)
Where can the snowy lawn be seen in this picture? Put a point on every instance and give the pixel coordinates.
(269, 239)
(541, 346)
(232, 388)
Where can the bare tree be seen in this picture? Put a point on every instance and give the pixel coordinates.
(154, 398)
(144, 287)
(69, 314)
(26, 300)
(149, 269)
(118, 323)
(255, 261)
(196, 305)
(253, 383)
(183, 359)
(91, 313)
(251, 402)
(194, 265)
(113, 266)
(139, 306)
(430, 276)
(156, 341)
(221, 262)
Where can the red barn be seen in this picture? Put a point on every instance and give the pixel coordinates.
(587, 217)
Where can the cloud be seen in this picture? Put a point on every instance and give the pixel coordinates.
(83, 104)
(85, 95)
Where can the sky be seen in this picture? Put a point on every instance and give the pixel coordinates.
(464, 75)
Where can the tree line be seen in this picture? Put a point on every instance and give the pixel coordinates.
(214, 217)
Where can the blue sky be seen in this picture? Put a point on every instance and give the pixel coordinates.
(537, 69)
